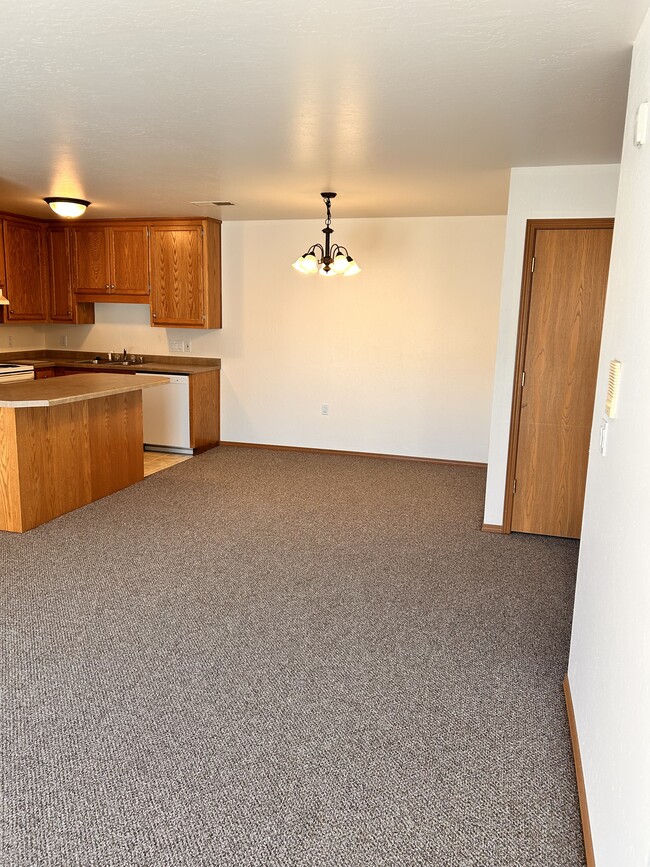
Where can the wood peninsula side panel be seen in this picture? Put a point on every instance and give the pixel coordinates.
(54, 459)
(47, 451)
(115, 435)
(204, 410)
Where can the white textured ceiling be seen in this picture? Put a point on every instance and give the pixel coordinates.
(412, 108)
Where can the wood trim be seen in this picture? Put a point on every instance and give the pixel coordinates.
(532, 227)
(492, 528)
(377, 455)
(582, 792)
(105, 221)
(114, 298)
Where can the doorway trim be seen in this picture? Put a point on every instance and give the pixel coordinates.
(532, 227)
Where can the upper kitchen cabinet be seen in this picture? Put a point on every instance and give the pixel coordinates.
(23, 271)
(109, 262)
(64, 307)
(185, 270)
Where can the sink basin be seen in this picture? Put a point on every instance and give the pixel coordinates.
(128, 363)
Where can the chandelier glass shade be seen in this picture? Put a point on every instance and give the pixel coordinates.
(66, 207)
(330, 259)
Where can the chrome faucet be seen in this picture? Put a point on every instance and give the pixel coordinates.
(125, 357)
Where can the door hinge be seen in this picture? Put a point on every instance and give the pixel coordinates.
(523, 378)
(514, 486)
(532, 266)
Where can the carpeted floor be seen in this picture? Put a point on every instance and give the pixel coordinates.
(267, 658)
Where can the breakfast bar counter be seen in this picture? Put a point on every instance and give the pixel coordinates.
(67, 441)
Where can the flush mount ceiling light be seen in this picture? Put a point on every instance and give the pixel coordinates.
(66, 207)
(331, 260)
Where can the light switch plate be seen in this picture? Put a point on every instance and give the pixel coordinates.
(641, 125)
(604, 427)
(176, 346)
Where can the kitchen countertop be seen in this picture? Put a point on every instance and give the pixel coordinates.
(152, 364)
(70, 389)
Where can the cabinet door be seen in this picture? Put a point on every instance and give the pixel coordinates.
(177, 280)
(128, 257)
(26, 272)
(90, 271)
(60, 275)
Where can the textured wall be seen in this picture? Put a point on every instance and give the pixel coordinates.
(609, 667)
(535, 193)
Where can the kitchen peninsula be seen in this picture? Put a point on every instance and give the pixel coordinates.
(67, 441)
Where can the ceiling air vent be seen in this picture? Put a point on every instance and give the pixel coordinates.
(218, 204)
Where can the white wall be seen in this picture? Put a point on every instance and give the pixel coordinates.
(21, 337)
(609, 668)
(535, 193)
(403, 353)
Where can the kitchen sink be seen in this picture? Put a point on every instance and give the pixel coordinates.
(128, 363)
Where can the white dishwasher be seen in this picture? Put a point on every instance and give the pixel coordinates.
(166, 414)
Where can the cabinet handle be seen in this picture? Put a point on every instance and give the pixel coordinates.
(106, 286)
(112, 285)
(154, 315)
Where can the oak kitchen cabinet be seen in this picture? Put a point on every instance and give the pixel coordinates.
(64, 306)
(54, 272)
(23, 270)
(185, 271)
(110, 262)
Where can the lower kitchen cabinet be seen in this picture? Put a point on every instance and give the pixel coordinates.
(44, 373)
(205, 403)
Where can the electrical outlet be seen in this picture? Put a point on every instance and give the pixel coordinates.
(175, 345)
(10, 340)
(63, 340)
(187, 346)
(324, 409)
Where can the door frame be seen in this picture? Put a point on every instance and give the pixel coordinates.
(532, 227)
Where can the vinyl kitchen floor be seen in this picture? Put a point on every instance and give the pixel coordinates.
(156, 461)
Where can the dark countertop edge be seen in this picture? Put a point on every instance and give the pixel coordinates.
(84, 360)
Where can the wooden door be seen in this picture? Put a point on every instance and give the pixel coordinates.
(129, 260)
(177, 280)
(560, 345)
(26, 271)
(90, 271)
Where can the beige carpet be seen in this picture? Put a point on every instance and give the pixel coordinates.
(263, 658)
